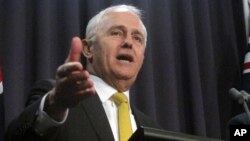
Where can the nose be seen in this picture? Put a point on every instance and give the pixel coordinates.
(127, 43)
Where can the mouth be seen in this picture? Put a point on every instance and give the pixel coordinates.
(125, 57)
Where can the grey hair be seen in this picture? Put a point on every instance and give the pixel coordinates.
(92, 27)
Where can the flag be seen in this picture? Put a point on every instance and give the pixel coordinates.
(246, 70)
(1, 106)
(246, 67)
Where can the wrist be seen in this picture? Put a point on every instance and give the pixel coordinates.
(54, 109)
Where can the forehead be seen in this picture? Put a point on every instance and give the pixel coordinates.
(126, 19)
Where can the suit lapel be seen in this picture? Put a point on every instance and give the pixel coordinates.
(96, 114)
(136, 116)
(143, 120)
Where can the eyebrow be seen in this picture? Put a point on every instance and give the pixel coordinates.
(135, 31)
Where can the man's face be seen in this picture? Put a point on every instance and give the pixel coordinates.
(118, 51)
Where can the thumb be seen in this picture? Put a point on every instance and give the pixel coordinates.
(75, 50)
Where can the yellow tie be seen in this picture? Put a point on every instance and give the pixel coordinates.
(124, 123)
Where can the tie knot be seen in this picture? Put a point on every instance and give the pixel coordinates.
(119, 98)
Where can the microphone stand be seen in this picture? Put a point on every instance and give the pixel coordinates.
(247, 110)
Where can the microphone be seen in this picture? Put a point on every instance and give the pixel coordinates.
(242, 97)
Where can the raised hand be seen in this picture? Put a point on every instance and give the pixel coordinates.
(72, 84)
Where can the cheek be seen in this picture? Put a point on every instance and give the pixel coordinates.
(141, 55)
(105, 58)
(98, 57)
(141, 61)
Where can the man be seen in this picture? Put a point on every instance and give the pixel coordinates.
(81, 105)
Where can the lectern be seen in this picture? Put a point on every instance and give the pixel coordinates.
(153, 134)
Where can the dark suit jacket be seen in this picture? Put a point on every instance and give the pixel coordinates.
(86, 121)
(240, 119)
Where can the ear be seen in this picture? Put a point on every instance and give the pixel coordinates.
(86, 48)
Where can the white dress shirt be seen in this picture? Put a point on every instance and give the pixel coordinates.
(105, 93)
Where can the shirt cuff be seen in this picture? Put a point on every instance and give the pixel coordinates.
(44, 122)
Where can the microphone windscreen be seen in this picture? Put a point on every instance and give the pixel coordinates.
(235, 93)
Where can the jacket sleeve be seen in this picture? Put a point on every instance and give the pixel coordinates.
(39, 90)
(21, 128)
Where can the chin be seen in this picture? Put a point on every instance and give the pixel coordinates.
(124, 73)
(126, 76)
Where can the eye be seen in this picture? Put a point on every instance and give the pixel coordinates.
(116, 33)
(138, 38)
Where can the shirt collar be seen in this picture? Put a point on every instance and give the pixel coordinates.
(104, 90)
